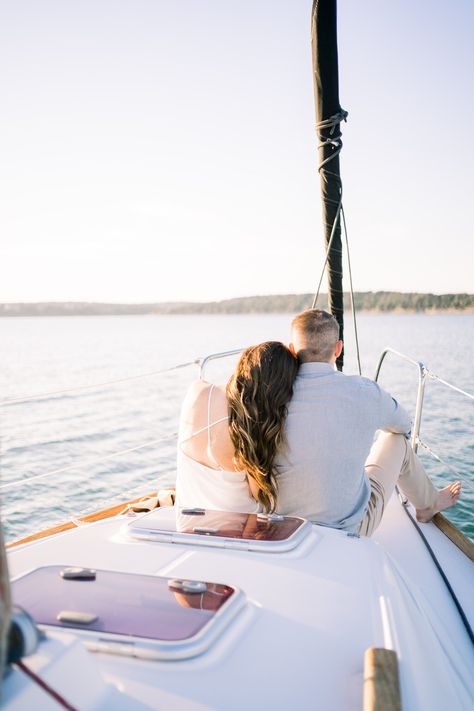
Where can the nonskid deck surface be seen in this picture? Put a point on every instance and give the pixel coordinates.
(309, 616)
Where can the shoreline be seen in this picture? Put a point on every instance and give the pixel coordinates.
(348, 314)
(379, 302)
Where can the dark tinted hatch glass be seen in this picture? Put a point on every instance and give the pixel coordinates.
(120, 603)
(223, 524)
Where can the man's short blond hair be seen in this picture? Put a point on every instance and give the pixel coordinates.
(318, 334)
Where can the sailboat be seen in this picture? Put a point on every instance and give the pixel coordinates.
(196, 610)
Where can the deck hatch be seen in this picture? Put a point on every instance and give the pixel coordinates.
(244, 531)
(173, 618)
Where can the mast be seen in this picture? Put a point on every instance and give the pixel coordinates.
(329, 116)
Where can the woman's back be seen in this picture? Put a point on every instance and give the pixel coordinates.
(229, 437)
(206, 475)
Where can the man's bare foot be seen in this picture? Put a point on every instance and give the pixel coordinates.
(447, 497)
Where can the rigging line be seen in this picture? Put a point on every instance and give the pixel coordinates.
(81, 465)
(441, 461)
(40, 396)
(356, 335)
(333, 232)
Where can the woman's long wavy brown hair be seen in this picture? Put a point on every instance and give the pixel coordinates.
(258, 393)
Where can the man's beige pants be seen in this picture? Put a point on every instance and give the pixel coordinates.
(392, 461)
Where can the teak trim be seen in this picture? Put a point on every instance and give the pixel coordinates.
(454, 534)
(164, 497)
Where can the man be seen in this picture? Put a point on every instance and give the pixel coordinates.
(331, 472)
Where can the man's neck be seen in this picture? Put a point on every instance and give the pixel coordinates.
(328, 362)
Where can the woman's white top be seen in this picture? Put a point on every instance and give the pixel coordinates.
(198, 485)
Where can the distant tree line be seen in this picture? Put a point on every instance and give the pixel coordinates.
(376, 301)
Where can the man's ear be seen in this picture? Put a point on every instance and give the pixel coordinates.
(292, 349)
(339, 347)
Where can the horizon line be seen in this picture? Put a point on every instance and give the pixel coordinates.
(222, 300)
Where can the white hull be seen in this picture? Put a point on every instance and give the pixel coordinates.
(300, 639)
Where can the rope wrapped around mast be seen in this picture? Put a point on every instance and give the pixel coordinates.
(329, 115)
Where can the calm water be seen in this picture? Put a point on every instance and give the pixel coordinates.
(74, 429)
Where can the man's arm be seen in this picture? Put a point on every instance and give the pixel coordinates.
(392, 416)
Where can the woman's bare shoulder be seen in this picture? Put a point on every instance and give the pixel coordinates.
(199, 391)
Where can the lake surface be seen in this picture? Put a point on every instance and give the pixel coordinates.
(70, 429)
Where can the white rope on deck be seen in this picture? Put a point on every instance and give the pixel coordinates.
(93, 386)
(129, 494)
(80, 465)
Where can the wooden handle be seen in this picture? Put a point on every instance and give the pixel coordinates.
(381, 681)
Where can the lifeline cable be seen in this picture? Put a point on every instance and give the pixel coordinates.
(93, 386)
(81, 465)
(448, 466)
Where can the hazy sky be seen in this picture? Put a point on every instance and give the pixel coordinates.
(158, 150)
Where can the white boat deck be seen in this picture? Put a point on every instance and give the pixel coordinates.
(300, 639)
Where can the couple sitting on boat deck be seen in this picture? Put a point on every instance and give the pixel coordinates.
(291, 434)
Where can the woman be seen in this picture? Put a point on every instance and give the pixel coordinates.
(229, 435)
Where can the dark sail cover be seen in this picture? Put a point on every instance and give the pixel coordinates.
(329, 115)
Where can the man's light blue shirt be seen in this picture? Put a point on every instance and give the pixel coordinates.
(330, 427)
